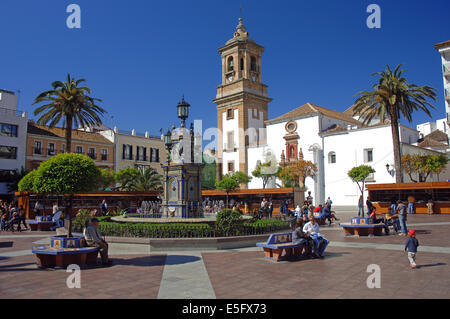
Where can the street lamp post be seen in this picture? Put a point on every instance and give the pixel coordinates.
(183, 111)
(168, 143)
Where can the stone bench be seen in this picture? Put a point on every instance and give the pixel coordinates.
(277, 243)
(64, 251)
(363, 226)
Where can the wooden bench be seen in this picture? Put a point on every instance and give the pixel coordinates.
(362, 226)
(41, 223)
(64, 251)
(277, 243)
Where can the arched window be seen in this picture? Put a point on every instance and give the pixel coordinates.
(253, 65)
(331, 157)
(230, 64)
(291, 152)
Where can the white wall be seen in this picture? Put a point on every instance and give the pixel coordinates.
(9, 115)
(228, 126)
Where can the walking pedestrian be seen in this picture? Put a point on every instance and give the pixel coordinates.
(411, 247)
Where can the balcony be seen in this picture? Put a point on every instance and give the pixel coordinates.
(446, 69)
(92, 155)
(46, 151)
(229, 147)
(4, 112)
(141, 158)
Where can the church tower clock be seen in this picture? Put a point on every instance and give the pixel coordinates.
(242, 102)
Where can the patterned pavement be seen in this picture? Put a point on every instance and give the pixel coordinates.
(242, 273)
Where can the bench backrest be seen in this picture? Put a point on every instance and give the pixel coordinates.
(280, 238)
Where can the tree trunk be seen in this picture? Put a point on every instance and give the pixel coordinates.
(396, 146)
(70, 215)
(227, 200)
(69, 123)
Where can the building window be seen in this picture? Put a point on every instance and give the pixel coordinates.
(231, 167)
(37, 149)
(6, 176)
(230, 141)
(63, 148)
(8, 130)
(8, 152)
(91, 153)
(368, 155)
(104, 154)
(141, 153)
(242, 64)
(79, 149)
(253, 65)
(127, 152)
(230, 114)
(51, 149)
(154, 155)
(230, 64)
(332, 158)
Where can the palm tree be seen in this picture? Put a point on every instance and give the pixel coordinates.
(146, 180)
(393, 97)
(69, 103)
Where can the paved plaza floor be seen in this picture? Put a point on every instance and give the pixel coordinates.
(138, 273)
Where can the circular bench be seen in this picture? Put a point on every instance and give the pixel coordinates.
(64, 251)
(41, 223)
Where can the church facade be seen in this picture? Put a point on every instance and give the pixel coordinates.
(334, 141)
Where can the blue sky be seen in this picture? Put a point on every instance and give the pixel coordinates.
(140, 56)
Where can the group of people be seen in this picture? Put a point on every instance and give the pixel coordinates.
(308, 210)
(308, 234)
(12, 217)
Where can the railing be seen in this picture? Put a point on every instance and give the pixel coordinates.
(8, 112)
(140, 158)
(92, 155)
(446, 67)
(48, 152)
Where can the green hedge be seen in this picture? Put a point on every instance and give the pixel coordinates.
(182, 230)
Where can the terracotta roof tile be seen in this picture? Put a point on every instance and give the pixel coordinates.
(310, 109)
(438, 135)
(60, 132)
(429, 142)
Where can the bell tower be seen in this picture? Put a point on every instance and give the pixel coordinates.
(242, 102)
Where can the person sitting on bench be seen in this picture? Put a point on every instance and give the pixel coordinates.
(319, 242)
(299, 236)
(94, 239)
(328, 214)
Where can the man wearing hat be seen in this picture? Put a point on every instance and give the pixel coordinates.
(94, 239)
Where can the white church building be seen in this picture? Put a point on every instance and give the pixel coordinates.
(334, 141)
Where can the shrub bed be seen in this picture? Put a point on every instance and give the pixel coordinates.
(227, 225)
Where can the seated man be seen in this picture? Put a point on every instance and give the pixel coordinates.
(319, 242)
(15, 219)
(328, 214)
(299, 237)
(94, 239)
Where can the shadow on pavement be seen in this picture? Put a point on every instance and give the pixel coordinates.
(181, 259)
(431, 265)
(158, 260)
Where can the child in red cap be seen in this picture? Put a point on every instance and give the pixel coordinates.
(411, 247)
